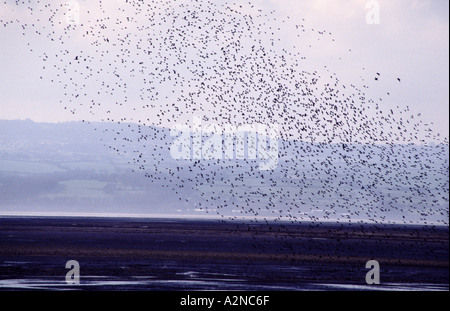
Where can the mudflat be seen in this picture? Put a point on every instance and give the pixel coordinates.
(177, 254)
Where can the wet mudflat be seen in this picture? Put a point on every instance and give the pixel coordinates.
(175, 254)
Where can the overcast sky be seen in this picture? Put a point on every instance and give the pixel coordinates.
(411, 42)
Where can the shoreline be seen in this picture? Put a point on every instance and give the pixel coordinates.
(148, 217)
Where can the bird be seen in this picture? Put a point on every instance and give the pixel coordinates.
(340, 156)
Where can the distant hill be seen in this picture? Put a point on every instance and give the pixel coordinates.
(65, 167)
(80, 167)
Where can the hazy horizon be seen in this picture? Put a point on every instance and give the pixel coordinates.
(70, 169)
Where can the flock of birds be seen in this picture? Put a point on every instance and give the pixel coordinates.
(142, 66)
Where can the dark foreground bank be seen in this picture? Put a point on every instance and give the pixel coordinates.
(161, 254)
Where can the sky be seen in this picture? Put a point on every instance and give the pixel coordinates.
(158, 63)
(411, 41)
